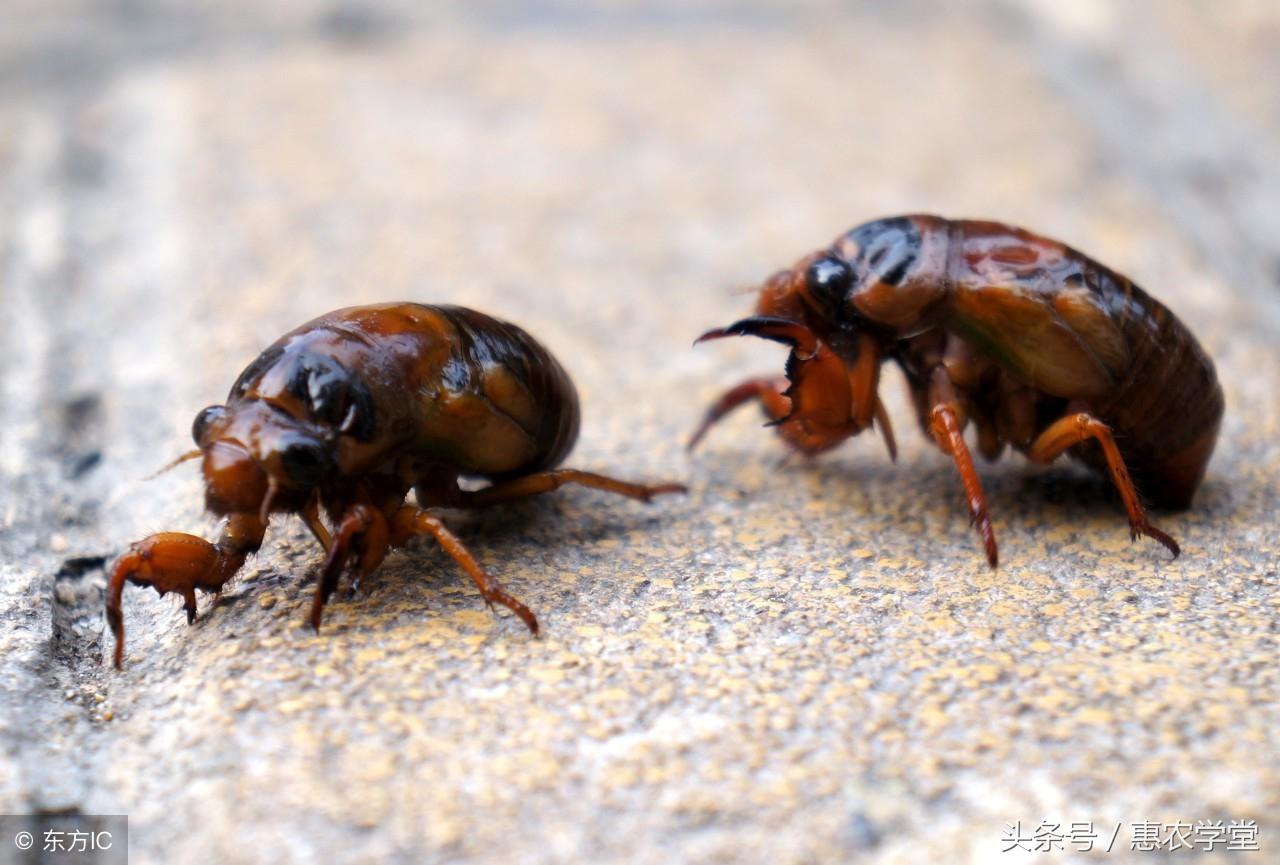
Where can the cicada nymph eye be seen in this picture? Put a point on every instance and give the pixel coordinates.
(207, 416)
(828, 281)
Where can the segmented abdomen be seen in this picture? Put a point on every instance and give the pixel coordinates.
(1166, 410)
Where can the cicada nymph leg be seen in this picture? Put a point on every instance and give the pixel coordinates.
(821, 401)
(545, 482)
(1077, 428)
(409, 521)
(311, 516)
(770, 392)
(947, 431)
(362, 534)
(802, 432)
(181, 563)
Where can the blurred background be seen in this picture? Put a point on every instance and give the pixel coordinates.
(798, 664)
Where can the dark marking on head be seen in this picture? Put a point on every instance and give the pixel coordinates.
(333, 395)
(887, 249)
(894, 275)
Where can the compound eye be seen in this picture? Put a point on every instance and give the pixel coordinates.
(207, 416)
(306, 463)
(829, 279)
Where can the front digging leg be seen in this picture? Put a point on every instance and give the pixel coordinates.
(820, 402)
(178, 562)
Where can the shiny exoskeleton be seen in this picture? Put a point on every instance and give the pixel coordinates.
(344, 416)
(1034, 343)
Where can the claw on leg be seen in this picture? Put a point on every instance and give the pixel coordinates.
(783, 330)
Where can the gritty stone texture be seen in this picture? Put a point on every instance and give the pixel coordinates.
(805, 663)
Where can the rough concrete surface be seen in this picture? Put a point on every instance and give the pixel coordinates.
(798, 663)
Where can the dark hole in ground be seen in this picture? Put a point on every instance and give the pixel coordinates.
(80, 425)
(79, 587)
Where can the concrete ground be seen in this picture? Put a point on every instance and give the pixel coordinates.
(806, 663)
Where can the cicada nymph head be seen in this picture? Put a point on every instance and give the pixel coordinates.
(828, 392)
(279, 438)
